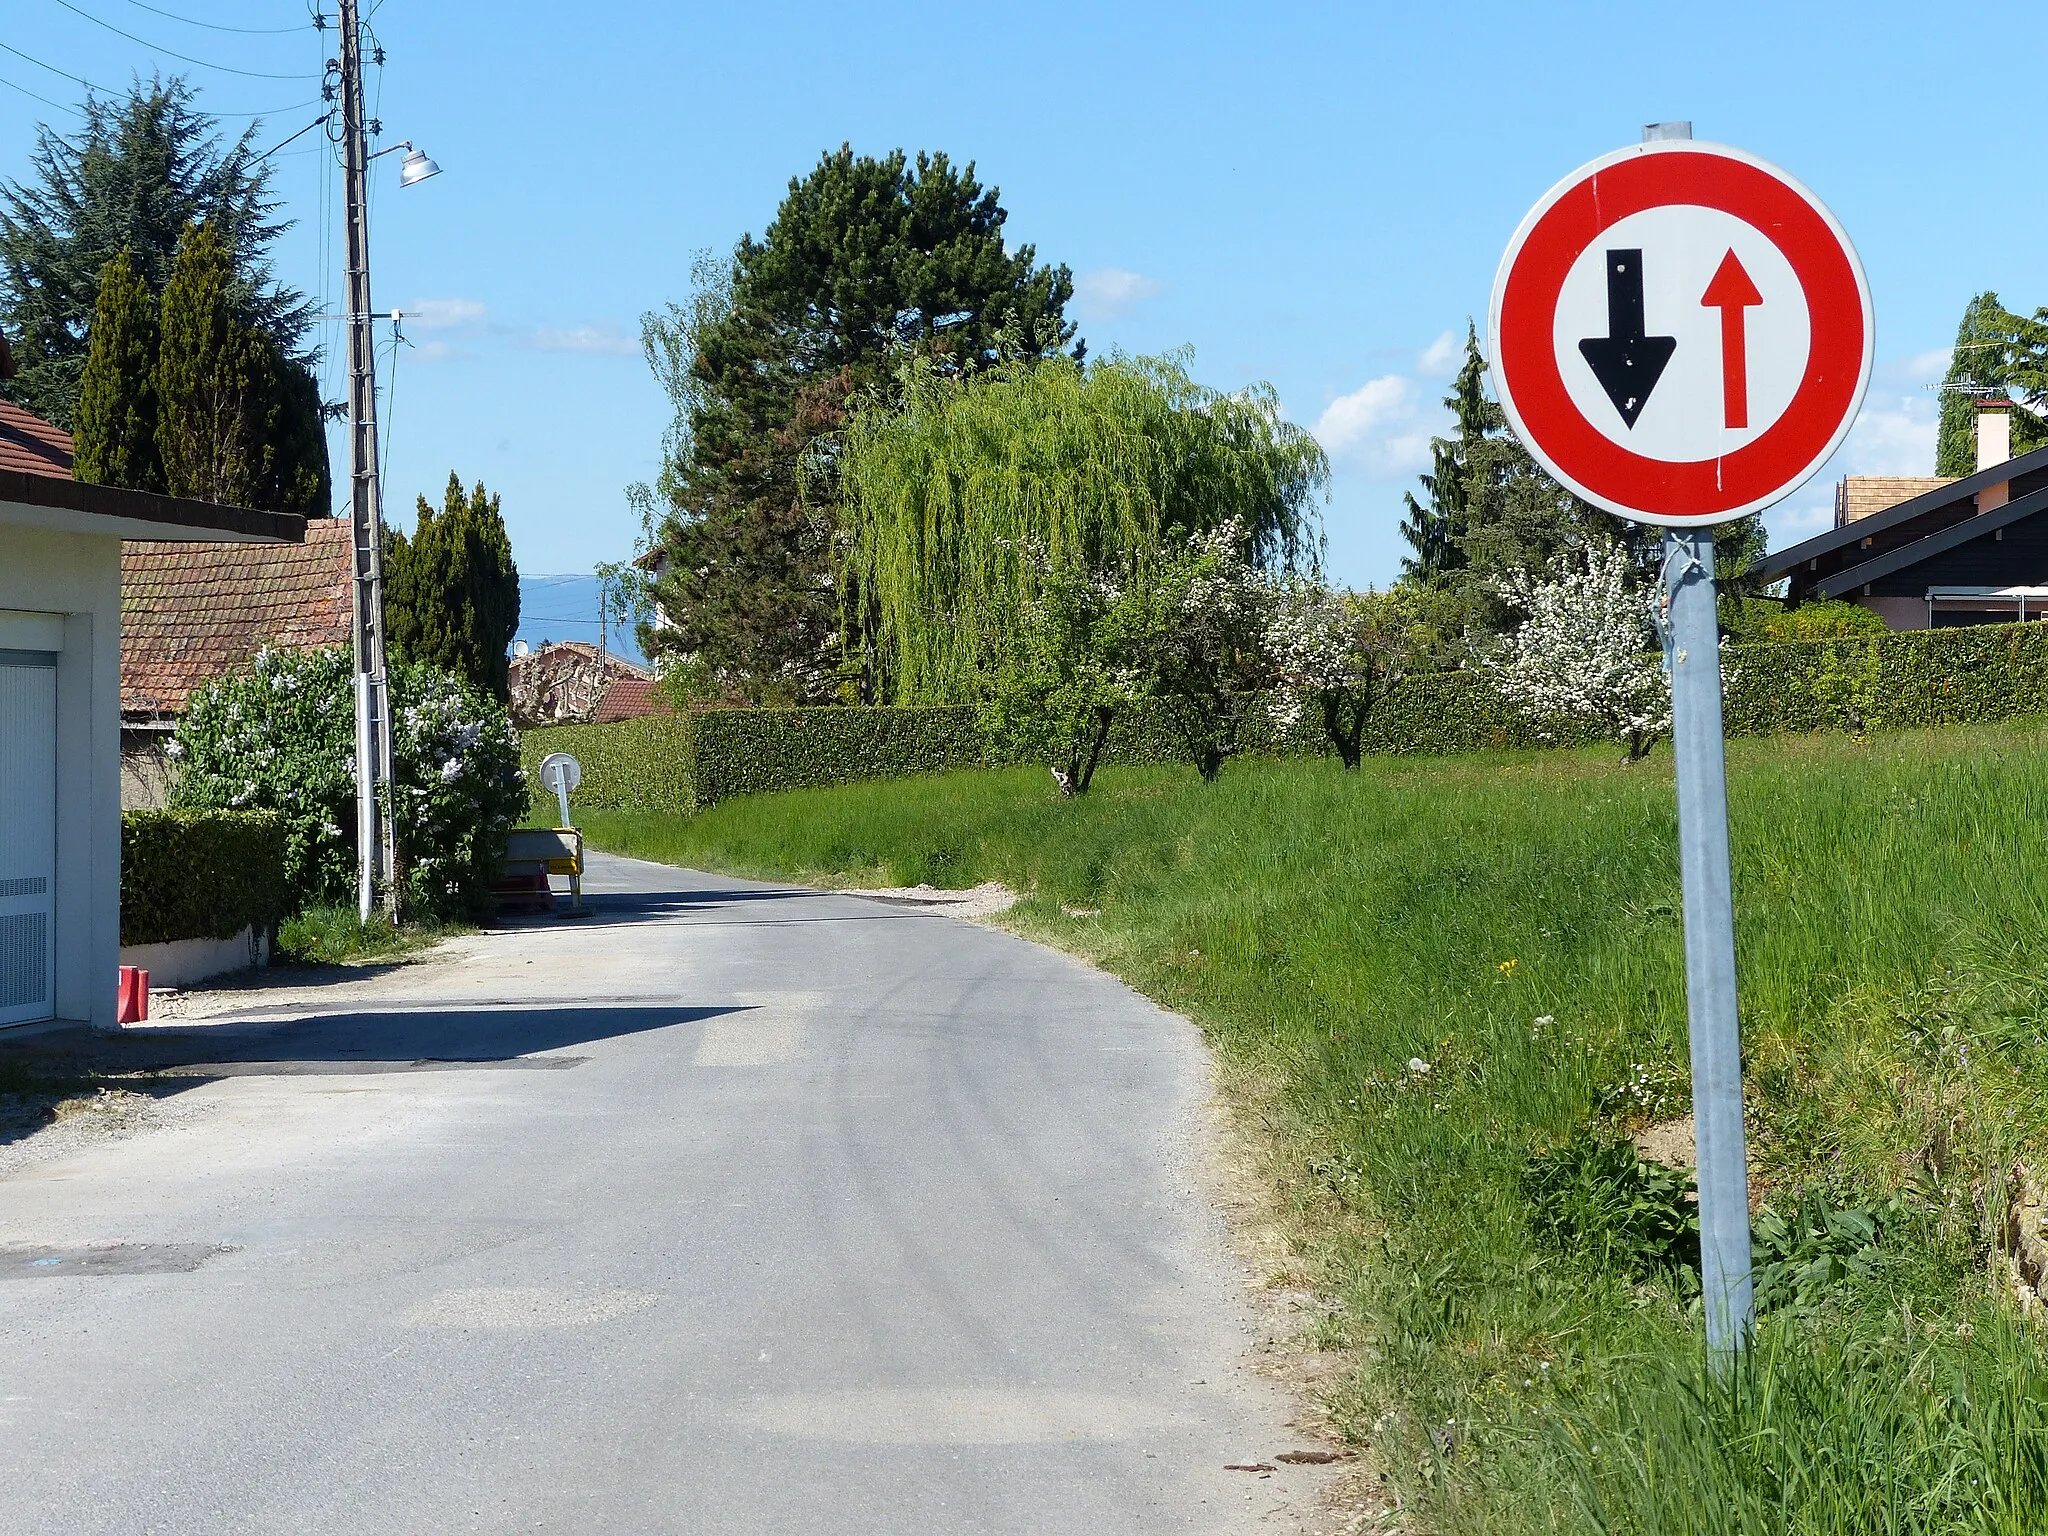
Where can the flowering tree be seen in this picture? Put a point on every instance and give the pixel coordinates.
(1068, 674)
(1340, 653)
(1585, 654)
(1199, 626)
(280, 735)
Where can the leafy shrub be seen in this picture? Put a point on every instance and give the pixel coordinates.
(1814, 621)
(1801, 1253)
(200, 874)
(1595, 1197)
(685, 762)
(280, 736)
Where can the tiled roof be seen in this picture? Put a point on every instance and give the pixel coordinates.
(190, 612)
(1858, 496)
(32, 446)
(628, 698)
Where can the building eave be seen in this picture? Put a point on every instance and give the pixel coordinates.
(1892, 561)
(71, 506)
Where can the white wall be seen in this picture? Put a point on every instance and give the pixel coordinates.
(79, 576)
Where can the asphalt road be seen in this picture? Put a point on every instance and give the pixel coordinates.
(732, 1209)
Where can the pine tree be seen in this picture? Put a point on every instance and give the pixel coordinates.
(867, 263)
(1976, 367)
(1436, 533)
(133, 177)
(451, 591)
(117, 403)
(213, 380)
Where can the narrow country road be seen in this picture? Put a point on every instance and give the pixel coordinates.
(734, 1209)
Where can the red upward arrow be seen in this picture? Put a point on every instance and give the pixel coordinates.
(1732, 292)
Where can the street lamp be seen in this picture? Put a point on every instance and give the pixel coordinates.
(416, 167)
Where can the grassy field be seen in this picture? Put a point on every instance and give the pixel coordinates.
(1452, 991)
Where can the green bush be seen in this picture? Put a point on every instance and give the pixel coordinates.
(200, 874)
(684, 763)
(279, 735)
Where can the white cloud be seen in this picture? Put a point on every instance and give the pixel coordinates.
(438, 351)
(445, 314)
(1440, 359)
(1380, 426)
(597, 340)
(1109, 293)
(1893, 435)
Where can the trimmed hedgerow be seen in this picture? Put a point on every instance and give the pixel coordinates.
(684, 763)
(200, 874)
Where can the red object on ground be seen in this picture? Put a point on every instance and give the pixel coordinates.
(134, 1002)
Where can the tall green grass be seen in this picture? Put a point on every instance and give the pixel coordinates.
(1510, 925)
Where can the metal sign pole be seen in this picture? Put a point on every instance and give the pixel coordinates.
(1693, 646)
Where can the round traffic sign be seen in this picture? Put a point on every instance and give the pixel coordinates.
(1681, 333)
(561, 773)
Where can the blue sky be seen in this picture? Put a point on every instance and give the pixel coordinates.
(1312, 194)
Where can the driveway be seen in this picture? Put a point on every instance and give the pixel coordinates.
(734, 1208)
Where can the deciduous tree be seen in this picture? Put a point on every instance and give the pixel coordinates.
(1094, 463)
(1340, 653)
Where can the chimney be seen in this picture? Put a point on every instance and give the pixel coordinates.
(1994, 447)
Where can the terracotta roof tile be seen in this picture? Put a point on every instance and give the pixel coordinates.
(31, 446)
(190, 612)
(628, 698)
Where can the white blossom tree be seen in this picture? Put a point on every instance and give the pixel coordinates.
(1340, 653)
(1201, 637)
(1586, 653)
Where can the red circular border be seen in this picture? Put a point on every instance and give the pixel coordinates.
(1773, 461)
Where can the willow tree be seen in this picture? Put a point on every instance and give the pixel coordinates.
(955, 500)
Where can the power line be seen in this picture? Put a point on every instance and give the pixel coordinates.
(212, 26)
(60, 106)
(254, 74)
(101, 90)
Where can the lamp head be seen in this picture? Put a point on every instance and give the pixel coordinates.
(416, 167)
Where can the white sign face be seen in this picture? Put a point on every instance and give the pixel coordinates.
(1684, 250)
(561, 773)
(1681, 333)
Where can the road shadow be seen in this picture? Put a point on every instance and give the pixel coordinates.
(161, 1059)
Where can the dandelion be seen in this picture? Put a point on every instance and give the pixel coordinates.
(1418, 1066)
(1509, 967)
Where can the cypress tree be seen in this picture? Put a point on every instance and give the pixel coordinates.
(1977, 365)
(451, 591)
(117, 404)
(212, 378)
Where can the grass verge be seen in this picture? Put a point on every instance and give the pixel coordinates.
(1462, 983)
(338, 936)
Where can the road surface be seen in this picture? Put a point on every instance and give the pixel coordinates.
(734, 1209)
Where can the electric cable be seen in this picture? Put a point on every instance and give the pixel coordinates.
(280, 144)
(33, 96)
(101, 90)
(211, 26)
(229, 69)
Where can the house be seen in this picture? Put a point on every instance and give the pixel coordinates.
(571, 682)
(60, 711)
(1934, 553)
(193, 612)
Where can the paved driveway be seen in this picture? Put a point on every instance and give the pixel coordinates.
(733, 1209)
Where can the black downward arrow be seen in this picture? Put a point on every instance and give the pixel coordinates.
(1627, 363)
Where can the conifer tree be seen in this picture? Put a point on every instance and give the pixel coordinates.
(1436, 533)
(212, 374)
(117, 404)
(451, 591)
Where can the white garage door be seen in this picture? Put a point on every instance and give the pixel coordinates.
(28, 834)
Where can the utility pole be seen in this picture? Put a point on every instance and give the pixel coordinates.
(376, 861)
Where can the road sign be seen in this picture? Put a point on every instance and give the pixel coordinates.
(561, 773)
(1681, 333)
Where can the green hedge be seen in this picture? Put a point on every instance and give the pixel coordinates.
(200, 874)
(684, 763)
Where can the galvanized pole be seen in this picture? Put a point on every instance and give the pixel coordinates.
(374, 846)
(1693, 648)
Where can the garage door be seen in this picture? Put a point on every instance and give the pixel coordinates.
(28, 834)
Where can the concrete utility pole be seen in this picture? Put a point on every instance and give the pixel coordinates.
(375, 851)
